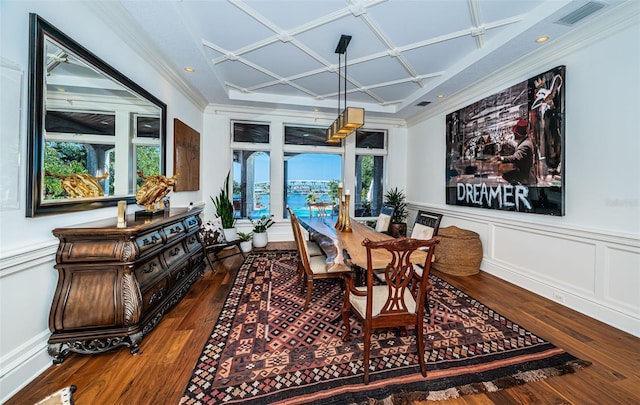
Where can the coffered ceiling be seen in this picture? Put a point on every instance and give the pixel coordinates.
(281, 53)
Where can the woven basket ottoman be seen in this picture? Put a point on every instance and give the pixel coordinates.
(459, 252)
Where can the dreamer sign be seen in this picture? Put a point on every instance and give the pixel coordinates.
(506, 151)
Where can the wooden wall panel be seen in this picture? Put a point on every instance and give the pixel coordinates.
(186, 156)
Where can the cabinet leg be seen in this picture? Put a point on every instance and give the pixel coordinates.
(135, 342)
(55, 351)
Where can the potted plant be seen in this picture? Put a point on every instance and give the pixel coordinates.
(397, 198)
(260, 226)
(224, 210)
(245, 241)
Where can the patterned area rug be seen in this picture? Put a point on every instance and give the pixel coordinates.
(266, 349)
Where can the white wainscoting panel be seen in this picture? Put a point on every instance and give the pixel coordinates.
(592, 272)
(560, 260)
(27, 283)
(622, 278)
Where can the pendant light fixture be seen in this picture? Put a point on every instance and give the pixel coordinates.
(350, 118)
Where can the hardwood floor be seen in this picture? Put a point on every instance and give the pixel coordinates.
(162, 369)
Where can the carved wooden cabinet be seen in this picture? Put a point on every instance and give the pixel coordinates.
(115, 284)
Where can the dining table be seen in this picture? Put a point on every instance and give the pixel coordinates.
(344, 250)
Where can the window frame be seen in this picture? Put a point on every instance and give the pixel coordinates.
(384, 152)
(251, 147)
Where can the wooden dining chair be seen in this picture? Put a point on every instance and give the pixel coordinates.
(426, 225)
(400, 302)
(322, 209)
(384, 218)
(313, 267)
(312, 247)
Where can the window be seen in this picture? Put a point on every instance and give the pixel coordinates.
(310, 177)
(308, 136)
(250, 132)
(146, 141)
(251, 170)
(370, 153)
(77, 142)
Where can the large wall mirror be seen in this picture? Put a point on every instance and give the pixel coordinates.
(90, 128)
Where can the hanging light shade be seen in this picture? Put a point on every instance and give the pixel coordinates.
(350, 118)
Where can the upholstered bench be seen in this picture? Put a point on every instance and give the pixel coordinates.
(459, 252)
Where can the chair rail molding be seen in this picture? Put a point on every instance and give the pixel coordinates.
(591, 271)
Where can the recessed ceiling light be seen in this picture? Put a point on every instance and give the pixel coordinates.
(190, 69)
(542, 39)
(440, 95)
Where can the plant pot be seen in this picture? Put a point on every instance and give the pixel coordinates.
(246, 246)
(397, 229)
(230, 234)
(260, 239)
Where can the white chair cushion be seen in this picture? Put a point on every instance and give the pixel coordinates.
(382, 225)
(380, 293)
(421, 232)
(318, 264)
(418, 269)
(313, 249)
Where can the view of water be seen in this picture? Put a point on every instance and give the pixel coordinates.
(297, 203)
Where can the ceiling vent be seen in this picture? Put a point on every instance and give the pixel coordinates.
(581, 13)
(423, 103)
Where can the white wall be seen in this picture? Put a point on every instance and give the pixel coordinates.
(27, 248)
(589, 259)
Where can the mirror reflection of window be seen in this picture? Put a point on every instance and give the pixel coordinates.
(146, 143)
(89, 151)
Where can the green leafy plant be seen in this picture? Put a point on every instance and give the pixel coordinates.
(398, 199)
(224, 206)
(245, 237)
(261, 225)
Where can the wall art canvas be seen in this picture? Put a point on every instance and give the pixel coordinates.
(506, 151)
(186, 158)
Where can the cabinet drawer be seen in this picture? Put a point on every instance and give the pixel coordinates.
(155, 294)
(89, 250)
(192, 242)
(174, 230)
(174, 254)
(149, 271)
(191, 223)
(180, 272)
(149, 240)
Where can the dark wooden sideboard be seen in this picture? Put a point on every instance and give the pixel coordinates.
(115, 284)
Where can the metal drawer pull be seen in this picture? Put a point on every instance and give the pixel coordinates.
(150, 268)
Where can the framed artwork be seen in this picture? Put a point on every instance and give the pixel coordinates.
(506, 151)
(186, 157)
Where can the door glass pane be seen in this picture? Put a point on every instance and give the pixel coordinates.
(369, 181)
(310, 176)
(251, 183)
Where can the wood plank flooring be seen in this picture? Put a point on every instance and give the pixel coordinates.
(162, 369)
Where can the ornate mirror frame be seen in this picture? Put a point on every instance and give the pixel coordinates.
(43, 34)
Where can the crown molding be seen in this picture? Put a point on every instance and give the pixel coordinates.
(606, 25)
(322, 118)
(114, 15)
